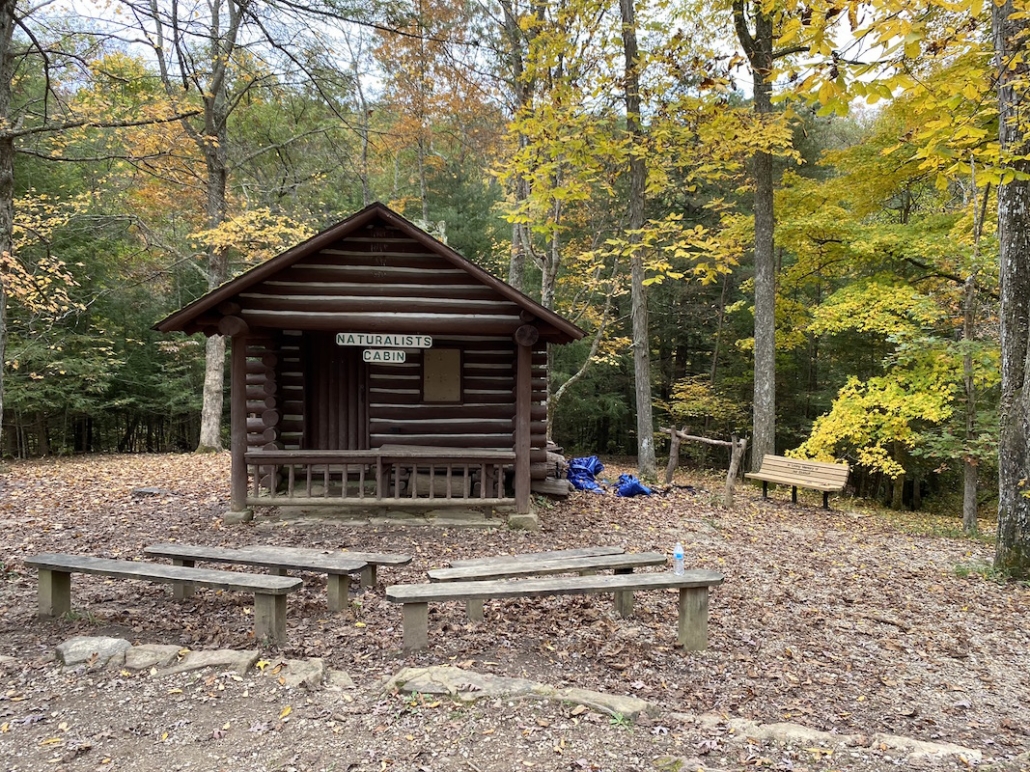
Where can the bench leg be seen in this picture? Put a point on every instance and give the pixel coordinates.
(765, 489)
(793, 494)
(624, 598)
(337, 587)
(55, 593)
(474, 609)
(693, 618)
(183, 590)
(270, 617)
(368, 576)
(826, 499)
(416, 625)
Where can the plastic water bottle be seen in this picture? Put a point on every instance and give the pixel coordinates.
(677, 559)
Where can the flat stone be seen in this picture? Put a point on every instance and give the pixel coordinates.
(223, 659)
(309, 673)
(4, 659)
(921, 752)
(625, 706)
(524, 522)
(339, 679)
(468, 686)
(150, 655)
(92, 650)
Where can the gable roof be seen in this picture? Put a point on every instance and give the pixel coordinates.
(204, 313)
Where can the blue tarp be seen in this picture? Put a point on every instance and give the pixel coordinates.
(582, 472)
(629, 485)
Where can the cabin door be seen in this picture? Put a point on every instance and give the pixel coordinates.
(336, 395)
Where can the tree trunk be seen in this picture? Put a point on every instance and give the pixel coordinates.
(635, 222)
(969, 468)
(6, 176)
(1012, 551)
(758, 48)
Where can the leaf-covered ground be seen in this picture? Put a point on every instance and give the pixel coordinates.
(844, 621)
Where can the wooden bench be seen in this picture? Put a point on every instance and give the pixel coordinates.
(337, 568)
(578, 552)
(693, 587)
(797, 473)
(544, 563)
(55, 570)
(372, 560)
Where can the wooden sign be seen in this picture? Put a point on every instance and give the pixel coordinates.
(383, 340)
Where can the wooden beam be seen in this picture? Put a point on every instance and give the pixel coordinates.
(238, 424)
(523, 428)
(432, 324)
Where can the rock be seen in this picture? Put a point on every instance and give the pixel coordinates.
(151, 655)
(309, 673)
(922, 752)
(237, 517)
(524, 522)
(339, 679)
(98, 651)
(468, 686)
(223, 659)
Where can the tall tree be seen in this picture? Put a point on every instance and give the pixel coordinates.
(754, 26)
(1011, 25)
(634, 227)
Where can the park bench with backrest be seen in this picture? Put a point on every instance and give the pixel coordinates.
(55, 570)
(337, 566)
(798, 473)
(693, 587)
(579, 561)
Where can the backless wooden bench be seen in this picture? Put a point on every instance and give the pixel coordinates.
(693, 586)
(799, 473)
(544, 563)
(336, 567)
(55, 570)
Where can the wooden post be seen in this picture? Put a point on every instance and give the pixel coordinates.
(55, 593)
(183, 590)
(674, 453)
(238, 424)
(269, 617)
(624, 598)
(693, 618)
(737, 449)
(415, 618)
(523, 421)
(337, 587)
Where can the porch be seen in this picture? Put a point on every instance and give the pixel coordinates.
(390, 475)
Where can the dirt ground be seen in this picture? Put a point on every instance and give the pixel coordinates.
(847, 621)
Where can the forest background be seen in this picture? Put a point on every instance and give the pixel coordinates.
(784, 220)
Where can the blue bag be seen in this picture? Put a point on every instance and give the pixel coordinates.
(582, 472)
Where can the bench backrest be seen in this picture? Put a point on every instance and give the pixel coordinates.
(802, 469)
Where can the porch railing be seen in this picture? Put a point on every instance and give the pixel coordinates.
(390, 475)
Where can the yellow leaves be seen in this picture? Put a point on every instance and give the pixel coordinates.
(255, 235)
(285, 712)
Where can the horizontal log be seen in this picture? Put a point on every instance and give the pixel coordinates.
(375, 305)
(256, 366)
(271, 417)
(232, 326)
(308, 273)
(498, 442)
(442, 426)
(343, 288)
(431, 324)
(260, 404)
(261, 438)
(487, 411)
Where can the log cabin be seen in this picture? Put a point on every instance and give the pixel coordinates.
(373, 365)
